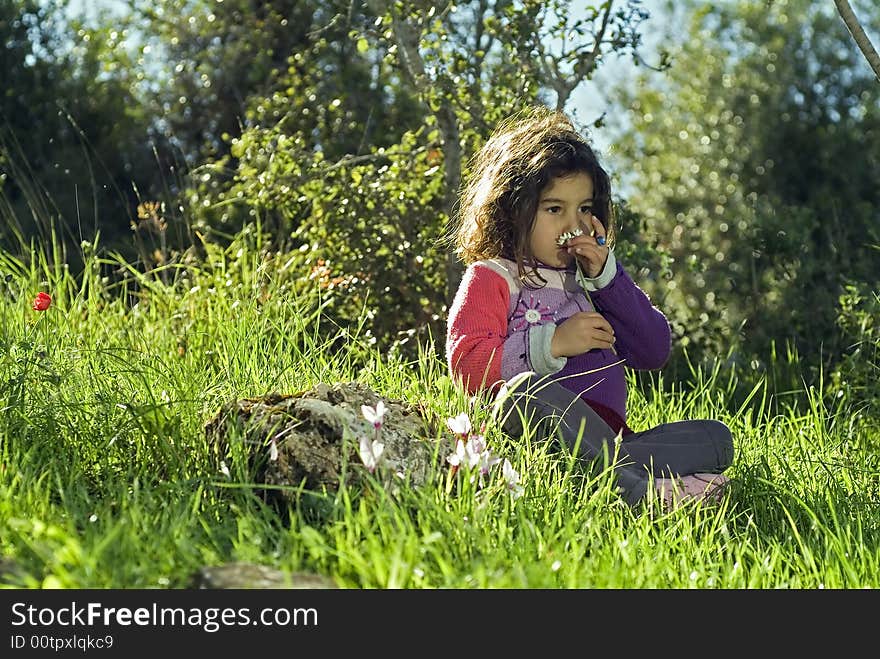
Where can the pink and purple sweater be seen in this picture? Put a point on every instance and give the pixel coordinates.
(499, 327)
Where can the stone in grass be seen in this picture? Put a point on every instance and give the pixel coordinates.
(251, 575)
(315, 435)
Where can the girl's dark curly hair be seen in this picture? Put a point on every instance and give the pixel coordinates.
(499, 203)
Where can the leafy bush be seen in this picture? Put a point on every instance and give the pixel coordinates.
(859, 368)
(365, 230)
(754, 165)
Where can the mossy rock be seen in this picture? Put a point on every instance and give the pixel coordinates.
(316, 433)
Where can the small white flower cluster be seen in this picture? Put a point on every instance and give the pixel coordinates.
(568, 235)
(371, 450)
(471, 452)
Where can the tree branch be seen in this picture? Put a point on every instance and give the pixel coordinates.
(859, 35)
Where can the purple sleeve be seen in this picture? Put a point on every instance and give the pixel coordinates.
(642, 334)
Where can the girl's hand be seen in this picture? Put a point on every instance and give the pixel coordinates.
(581, 332)
(587, 250)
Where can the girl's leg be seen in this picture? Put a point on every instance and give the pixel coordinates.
(540, 401)
(682, 447)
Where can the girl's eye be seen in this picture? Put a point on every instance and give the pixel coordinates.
(586, 209)
(552, 209)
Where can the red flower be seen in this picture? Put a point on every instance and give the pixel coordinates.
(41, 302)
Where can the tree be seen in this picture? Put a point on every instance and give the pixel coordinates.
(71, 134)
(202, 62)
(754, 165)
(859, 35)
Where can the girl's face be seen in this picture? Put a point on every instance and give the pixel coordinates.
(565, 204)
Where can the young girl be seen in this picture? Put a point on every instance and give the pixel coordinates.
(544, 296)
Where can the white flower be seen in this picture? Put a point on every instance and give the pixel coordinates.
(478, 454)
(460, 425)
(273, 450)
(375, 415)
(568, 235)
(511, 479)
(224, 469)
(475, 446)
(370, 452)
(487, 461)
(458, 457)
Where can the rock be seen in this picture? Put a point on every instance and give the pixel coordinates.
(316, 433)
(250, 575)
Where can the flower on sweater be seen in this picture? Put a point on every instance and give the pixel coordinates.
(529, 313)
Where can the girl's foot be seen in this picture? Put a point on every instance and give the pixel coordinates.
(694, 487)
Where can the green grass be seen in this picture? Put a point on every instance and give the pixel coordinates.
(106, 480)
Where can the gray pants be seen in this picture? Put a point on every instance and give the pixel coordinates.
(670, 449)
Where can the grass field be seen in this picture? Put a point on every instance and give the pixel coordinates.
(106, 480)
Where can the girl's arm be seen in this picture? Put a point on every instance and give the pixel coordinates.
(642, 332)
(478, 350)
